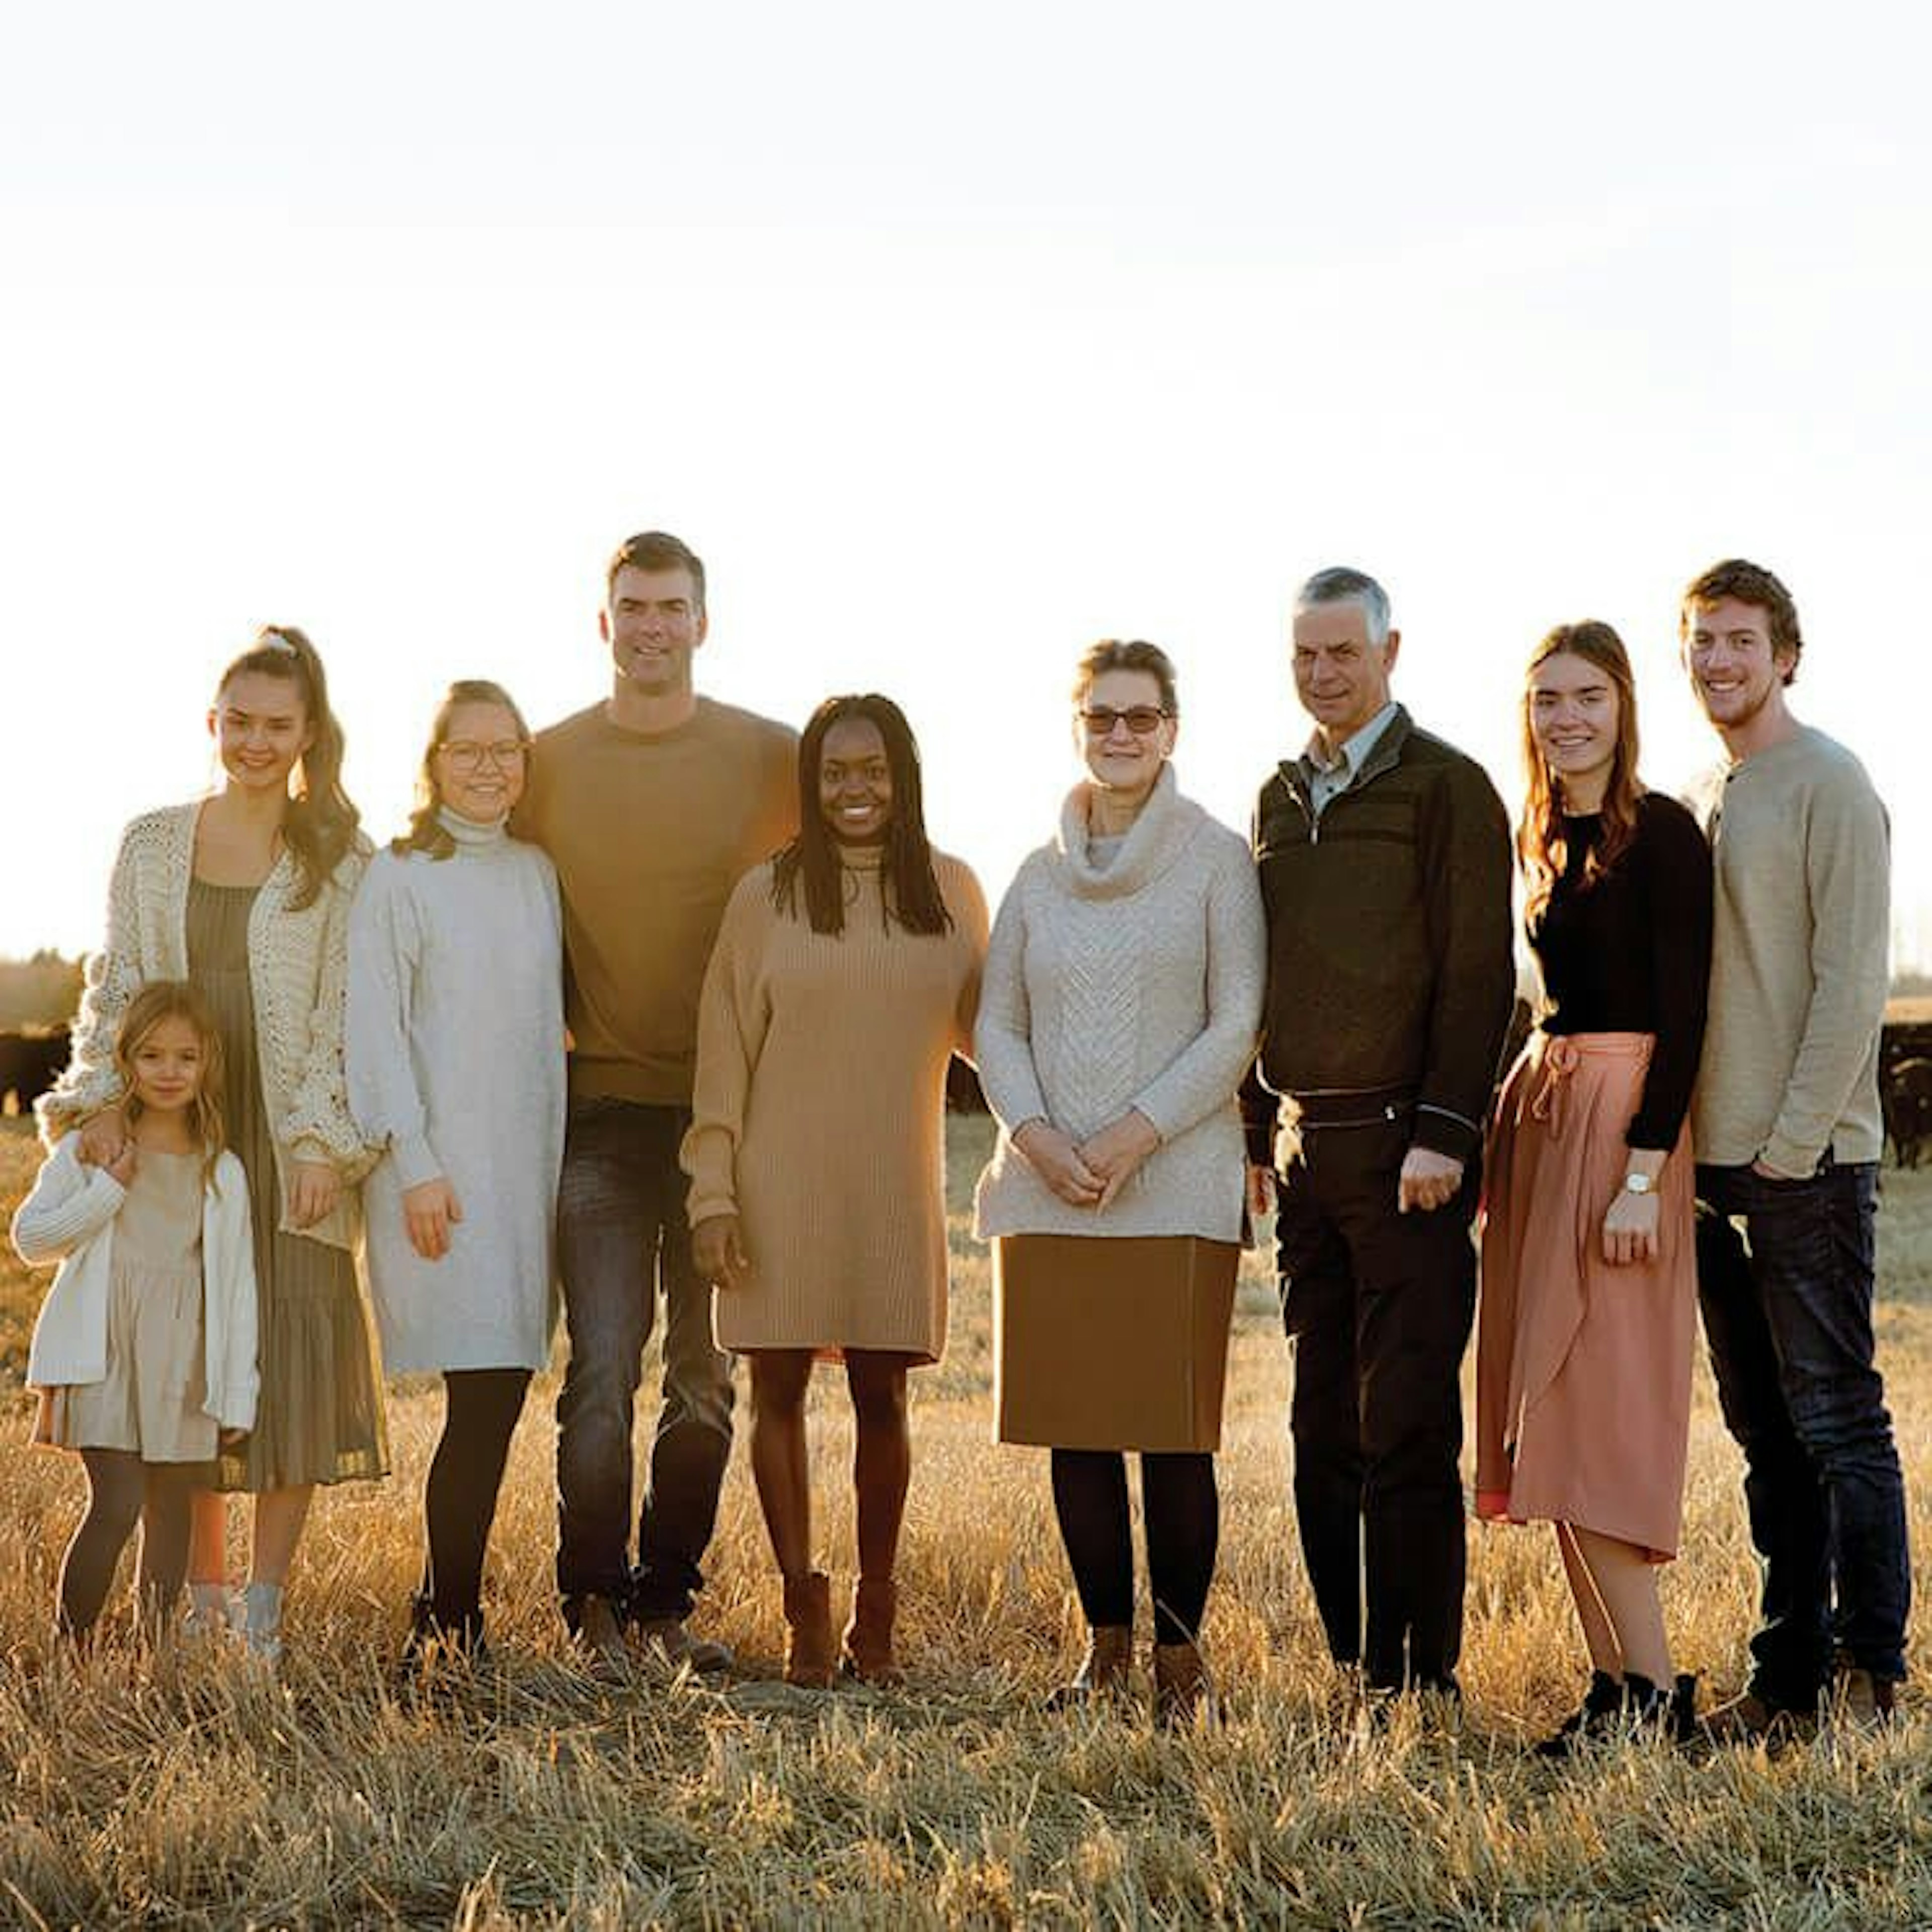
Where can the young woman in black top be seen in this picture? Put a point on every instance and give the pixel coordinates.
(1589, 1282)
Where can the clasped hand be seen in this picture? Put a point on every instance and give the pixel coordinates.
(1089, 1173)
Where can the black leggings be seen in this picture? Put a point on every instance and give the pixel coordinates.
(1182, 1511)
(123, 1491)
(480, 1411)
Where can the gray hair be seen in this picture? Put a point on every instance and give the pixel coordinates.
(1339, 584)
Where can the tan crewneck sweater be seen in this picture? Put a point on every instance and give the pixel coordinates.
(648, 833)
(1797, 961)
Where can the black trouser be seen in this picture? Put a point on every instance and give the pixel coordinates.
(480, 1411)
(1379, 1305)
(1182, 1511)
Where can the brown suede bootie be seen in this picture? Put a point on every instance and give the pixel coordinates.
(1103, 1670)
(868, 1637)
(1181, 1685)
(810, 1657)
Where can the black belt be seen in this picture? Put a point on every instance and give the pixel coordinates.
(1352, 1107)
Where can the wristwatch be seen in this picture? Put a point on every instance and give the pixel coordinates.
(1639, 1183)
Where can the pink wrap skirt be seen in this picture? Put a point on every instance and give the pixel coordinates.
(1582, 1369)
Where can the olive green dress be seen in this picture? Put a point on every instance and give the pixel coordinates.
(319, 1418)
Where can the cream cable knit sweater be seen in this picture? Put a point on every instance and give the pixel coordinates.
(1138, 985)
(297, 964)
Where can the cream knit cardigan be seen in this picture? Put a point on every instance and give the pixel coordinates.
(298, 970)
(69, 1218)
(1136, 985)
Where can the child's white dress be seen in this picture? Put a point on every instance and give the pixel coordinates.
(153, 1399)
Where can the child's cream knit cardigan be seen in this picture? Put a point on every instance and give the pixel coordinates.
(298, 970)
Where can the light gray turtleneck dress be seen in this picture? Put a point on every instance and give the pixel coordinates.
(455, 1047)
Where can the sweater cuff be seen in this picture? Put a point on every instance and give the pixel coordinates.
(1786, 1157)
(414, 1159)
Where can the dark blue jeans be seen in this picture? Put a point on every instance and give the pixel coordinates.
(621, 1232)
(1784, 1273)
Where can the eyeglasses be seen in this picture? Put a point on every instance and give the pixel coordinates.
(1142, 720)
(465, 754)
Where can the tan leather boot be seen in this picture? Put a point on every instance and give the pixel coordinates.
(810, 1658)
(868, 1637)
(1181, 1685)
(1103, 1670)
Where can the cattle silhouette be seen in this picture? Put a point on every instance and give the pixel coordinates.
(30, 1063)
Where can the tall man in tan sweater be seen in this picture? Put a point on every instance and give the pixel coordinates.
(1786, 1126)
(651, 805)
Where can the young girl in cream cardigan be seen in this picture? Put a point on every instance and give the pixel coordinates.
(144, 1353)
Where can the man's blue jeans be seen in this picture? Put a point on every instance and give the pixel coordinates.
(621, 1231)
(1784, 1273)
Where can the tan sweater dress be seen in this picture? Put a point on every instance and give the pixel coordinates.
(819, 1114)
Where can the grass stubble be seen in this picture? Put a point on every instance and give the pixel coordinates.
(199, 1791)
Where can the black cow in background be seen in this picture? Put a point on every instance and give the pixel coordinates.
(1905, 1090)
(29, 1064)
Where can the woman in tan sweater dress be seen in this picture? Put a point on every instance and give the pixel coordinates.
(846, 974)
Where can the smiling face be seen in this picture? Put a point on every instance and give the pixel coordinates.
(855, 782)
(260, 730)
(1573, 711)
(1341, 677)
(480, 766)
(169, 1062)
(1739, 675)
(1124, 736)
(653, 623)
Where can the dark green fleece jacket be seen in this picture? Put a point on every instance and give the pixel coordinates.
(1389, 963)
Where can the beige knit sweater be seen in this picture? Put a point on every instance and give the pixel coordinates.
(298, 970)
(819, 1114)
(1798, 959)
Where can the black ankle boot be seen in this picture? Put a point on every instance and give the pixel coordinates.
(1602, 1703)
(1672, 1713)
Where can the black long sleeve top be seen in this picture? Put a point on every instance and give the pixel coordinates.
(1631, 952)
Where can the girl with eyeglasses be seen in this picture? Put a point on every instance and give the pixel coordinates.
(455, 1046)
(846, 976)
(1123, 991)
(245, 895)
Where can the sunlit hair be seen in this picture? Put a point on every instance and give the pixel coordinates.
(1127, 654)
(159, 1000)
(910, 889)
(1540, 841)
(656, 550)
(319, 824)
(1340, 584)
(1749, 583)
(426, 833)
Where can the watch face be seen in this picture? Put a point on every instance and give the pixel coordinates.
(1636, 1183)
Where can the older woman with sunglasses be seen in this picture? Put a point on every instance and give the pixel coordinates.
(1123, 990)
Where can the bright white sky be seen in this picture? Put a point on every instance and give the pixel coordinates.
(952, 341)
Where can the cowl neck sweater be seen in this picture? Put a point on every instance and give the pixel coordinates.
(1165, 829)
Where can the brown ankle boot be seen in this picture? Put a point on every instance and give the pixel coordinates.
(1103, 1670)
(1181, 1685)
(810, 1657)
(868, 1636)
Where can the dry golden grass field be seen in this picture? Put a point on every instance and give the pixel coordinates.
(200, 1793)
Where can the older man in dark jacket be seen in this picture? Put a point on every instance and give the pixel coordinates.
(1385, 861)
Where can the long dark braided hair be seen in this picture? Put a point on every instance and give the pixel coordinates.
(911, 890)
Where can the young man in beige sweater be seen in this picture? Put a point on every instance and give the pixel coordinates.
(651, 805)
(1786, 1125)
